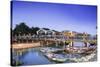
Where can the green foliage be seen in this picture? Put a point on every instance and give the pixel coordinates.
(22, 28)
(46, 28)
(93, 42)
(34, 29)
(67, 42)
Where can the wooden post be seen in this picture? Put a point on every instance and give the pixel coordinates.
(64, 45)
(72, 44)
(47, 43)
(85, 44)
(85, 39)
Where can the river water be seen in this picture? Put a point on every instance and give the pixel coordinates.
(33, 56)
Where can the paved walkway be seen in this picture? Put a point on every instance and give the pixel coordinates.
(25, 45)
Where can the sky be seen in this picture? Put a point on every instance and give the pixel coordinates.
(80, 18)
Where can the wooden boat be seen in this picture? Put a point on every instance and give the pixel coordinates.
(49, 49)
(55, 57)
(43, 50)
(59, 60)
(83, 50)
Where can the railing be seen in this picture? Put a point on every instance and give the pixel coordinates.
(46, 37)
(40, 37)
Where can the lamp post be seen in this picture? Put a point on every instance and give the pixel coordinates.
(71, 36)
(85, 39)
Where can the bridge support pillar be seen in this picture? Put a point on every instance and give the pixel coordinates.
(56, 44)
(85, 44)
(47, 43)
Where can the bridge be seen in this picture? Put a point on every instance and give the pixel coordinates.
(45, 39)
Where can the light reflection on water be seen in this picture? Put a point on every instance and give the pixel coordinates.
(33, 56)
(80, 44)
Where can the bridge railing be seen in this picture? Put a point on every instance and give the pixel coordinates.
(42, 37)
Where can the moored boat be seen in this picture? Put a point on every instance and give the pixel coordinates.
(55, 57)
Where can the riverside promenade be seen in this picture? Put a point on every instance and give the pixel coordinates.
(25, 45)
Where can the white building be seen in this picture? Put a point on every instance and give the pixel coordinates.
(45, 32)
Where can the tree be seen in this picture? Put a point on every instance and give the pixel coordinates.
(46, 28)
(34, 30)
(22, 28)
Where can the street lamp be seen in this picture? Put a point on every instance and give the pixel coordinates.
(85, 39)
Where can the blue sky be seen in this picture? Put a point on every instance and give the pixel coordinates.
(80, 18)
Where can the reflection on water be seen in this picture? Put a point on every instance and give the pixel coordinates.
(35, 57)
(31, 56)
(80, 44)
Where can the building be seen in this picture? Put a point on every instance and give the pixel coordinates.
(45, 32)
